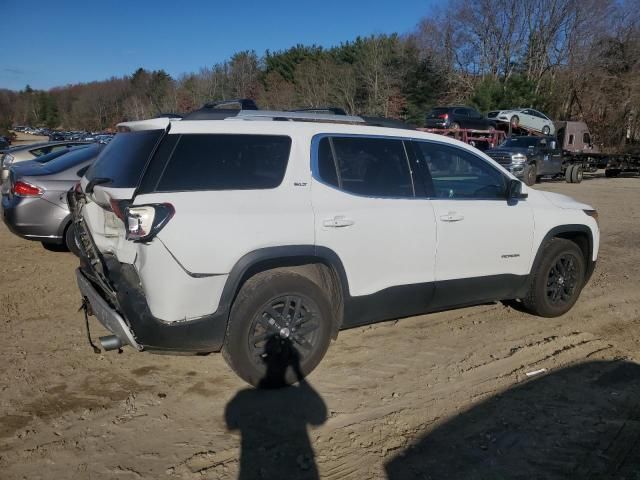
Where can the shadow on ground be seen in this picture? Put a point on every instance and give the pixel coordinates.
(273, 424)
(578, 422)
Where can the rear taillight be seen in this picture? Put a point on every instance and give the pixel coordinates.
(24, 189)
(444, 116)
(144, 222)
(118, 207)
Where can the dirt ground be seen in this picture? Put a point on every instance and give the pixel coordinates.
(439, 396)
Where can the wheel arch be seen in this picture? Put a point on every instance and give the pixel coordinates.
(320, 264)
(581, 235)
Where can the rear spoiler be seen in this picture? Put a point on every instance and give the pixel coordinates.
(160, 123)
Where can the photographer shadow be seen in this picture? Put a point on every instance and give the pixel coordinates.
(273, 421)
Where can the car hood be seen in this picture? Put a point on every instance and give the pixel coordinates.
(565, 201)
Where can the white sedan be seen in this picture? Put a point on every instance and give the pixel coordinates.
(527, 118)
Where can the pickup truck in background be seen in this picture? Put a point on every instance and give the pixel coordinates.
(532, 157)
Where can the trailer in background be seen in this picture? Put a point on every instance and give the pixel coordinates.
(481, 139)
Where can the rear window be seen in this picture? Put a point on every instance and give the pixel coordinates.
(123, 160)
(226, 162)
(73, 158)
(436, 112)
(53, 155)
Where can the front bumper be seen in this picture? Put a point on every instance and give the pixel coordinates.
(105, 314)
(517, 169)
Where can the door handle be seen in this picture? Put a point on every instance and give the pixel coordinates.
(452, 217)
(338, 222)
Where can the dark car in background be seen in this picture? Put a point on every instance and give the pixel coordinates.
(35, 206)
(4, 143)
(456, 117)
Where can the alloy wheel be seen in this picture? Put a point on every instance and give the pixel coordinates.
(285, 322)
(562, 280)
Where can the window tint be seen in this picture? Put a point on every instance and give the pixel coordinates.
(326, 165)
(375, 167)
(456, 173)
(50, 156)
(123, 160)
(226, 162)
(73, 158)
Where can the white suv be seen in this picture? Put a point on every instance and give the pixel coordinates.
(262, 234)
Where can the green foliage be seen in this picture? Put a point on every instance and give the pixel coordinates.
(517, 91)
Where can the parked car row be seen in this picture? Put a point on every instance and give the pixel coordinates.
(463, 117)
(71, 135)
(34, 188)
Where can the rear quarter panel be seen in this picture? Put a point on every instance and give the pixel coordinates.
(212, 230)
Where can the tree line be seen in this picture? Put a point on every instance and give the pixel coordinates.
(572, 59)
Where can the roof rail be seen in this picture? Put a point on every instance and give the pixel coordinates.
(387, 122)
(334, 110)
(245, 104)
(249, 111)
(218, 110)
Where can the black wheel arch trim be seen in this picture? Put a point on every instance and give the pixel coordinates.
(561, 230)
(280, 256)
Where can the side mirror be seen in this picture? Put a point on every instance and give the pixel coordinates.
(516, 190)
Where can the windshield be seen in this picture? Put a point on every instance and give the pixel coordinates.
(73, 158)
(124, 159)
(519, 142)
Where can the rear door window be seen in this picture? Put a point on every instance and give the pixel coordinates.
(375, 167)
(226, 162)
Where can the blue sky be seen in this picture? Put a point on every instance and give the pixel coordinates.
(68, 41)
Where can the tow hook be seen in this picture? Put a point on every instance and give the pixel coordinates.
(86, 308)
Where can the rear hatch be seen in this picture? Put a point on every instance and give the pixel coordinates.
(110, 183)
(437, 117)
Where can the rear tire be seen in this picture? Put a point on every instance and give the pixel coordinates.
(568, 174)
(577, 174)
(557, 279)
(530, 174)
(70, 240)
(279, 329)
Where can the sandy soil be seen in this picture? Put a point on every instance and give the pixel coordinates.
(437, 396)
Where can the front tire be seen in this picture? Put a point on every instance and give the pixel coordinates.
(546, 130)
(557, 280)
(279, 329)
